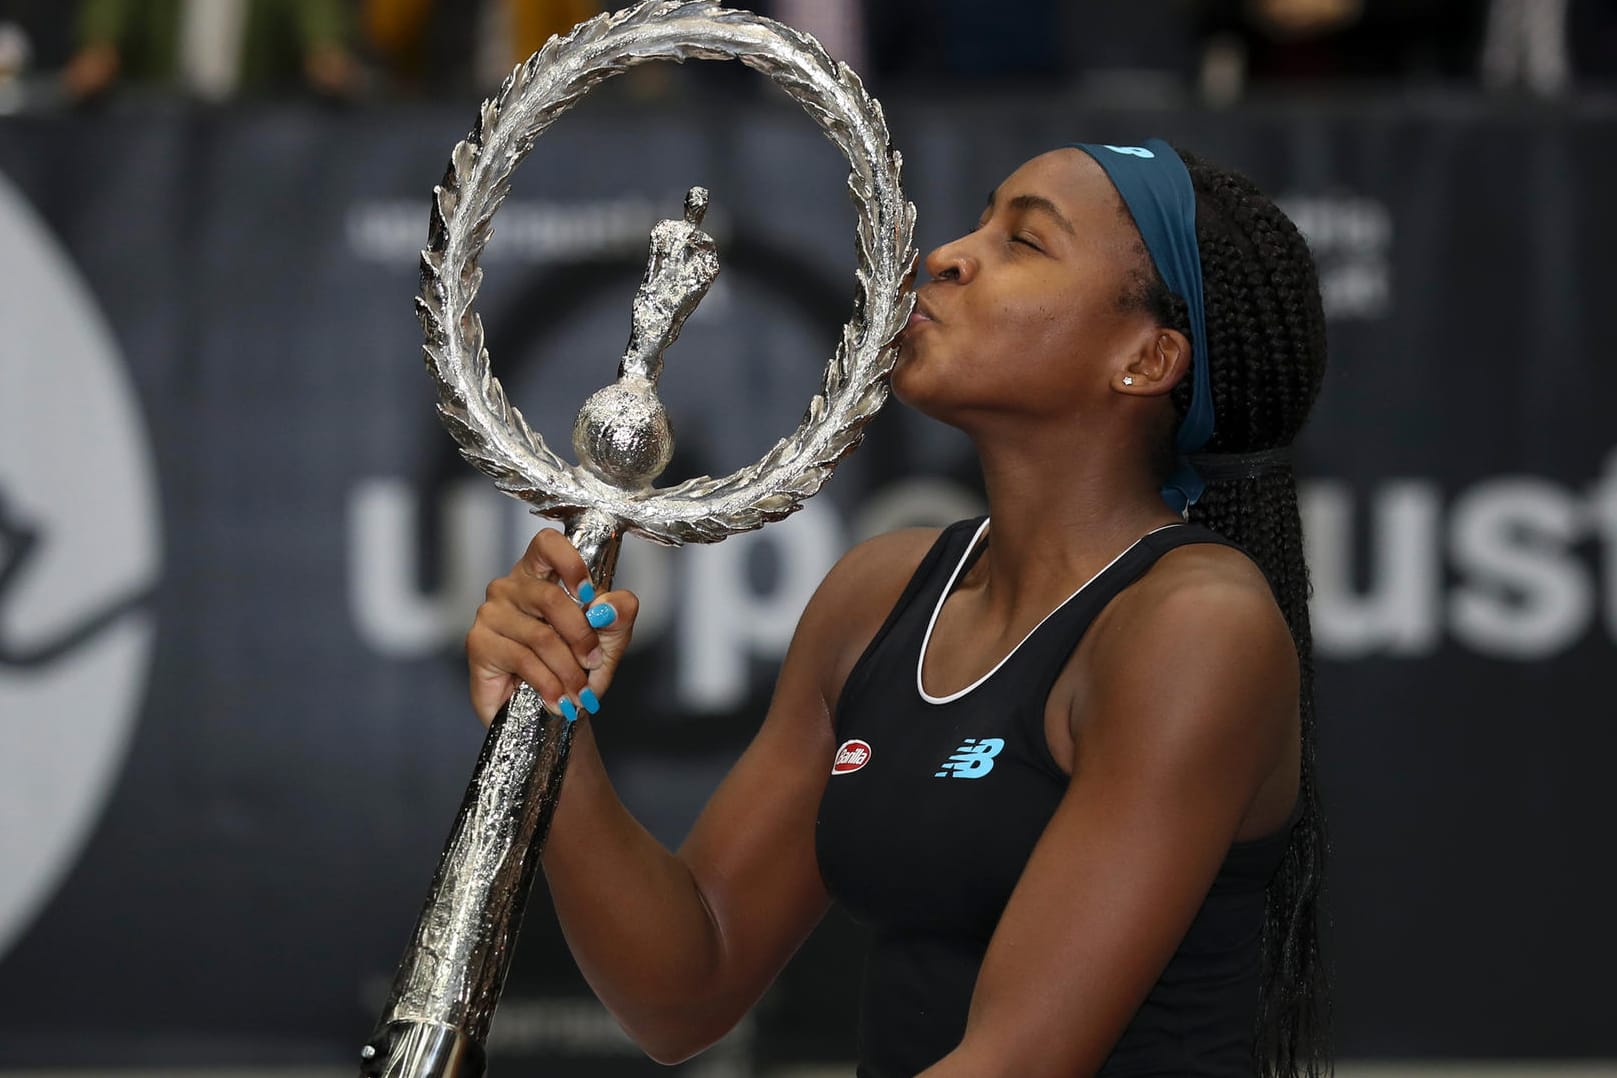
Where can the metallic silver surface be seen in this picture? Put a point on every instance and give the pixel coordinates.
(408, 1048)
(684, 260)
(622, 433)
(492, 433)
(451, 974)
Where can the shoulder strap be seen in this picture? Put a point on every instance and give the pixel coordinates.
(1166, 539)
(1175, 536)
(1053, 643)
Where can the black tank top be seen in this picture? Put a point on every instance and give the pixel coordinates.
(933, 808)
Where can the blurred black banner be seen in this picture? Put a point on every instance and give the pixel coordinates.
(238, 555)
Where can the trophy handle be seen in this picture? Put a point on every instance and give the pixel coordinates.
(443, 998)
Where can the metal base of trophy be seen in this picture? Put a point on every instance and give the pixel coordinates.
(421, 1050)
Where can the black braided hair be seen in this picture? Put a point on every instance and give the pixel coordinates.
(1266, 358)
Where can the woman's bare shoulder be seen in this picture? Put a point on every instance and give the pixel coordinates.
(1201, 605)
(1210, 564)
(873, 574)
(856, 596)
(1218, 585)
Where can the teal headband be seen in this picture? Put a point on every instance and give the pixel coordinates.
(1156, 188)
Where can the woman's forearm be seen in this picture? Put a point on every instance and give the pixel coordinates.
(678, 947)
(634, 917)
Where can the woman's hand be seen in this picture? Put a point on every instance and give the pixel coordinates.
(532, 628)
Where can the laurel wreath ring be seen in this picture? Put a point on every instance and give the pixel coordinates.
(492, 433)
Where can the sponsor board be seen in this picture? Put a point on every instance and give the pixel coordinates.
(79, 554)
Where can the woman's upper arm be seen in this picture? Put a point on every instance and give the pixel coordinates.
(752, 849)
(1189, 711)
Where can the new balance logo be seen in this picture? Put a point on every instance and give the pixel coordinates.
(973, 759)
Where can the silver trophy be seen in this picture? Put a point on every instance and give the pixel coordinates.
(449, 981)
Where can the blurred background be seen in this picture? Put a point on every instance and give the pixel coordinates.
(238, 554)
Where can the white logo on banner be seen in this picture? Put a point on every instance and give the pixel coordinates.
(392, 231)
(79, 549)
(725, 620)
(1351, 240)
(1499, 568)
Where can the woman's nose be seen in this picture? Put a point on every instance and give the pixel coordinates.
(951, 262)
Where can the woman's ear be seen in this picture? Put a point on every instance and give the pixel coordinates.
(1156, 366)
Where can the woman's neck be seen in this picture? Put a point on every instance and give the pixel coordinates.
(1059, 515)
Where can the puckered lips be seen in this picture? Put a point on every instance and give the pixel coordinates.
(921, 315)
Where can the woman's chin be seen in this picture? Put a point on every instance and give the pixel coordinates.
(914, 388)
(904, 377)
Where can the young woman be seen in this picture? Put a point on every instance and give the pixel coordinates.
(1061, 758)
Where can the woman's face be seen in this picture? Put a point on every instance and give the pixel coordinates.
(1022, 315)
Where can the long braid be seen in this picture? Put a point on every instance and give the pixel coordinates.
(1266, 351)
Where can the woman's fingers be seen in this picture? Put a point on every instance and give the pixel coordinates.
(550, 555)
(612, 616)
(544, 624)
(509, 642)
(497, 663)
(546, 645)
(546, 601)
(505, 646)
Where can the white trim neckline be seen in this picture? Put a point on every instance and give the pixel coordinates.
(937, 608)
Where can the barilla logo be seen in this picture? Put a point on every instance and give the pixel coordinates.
(851, 757)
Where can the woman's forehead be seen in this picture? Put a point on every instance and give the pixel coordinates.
(1078, 190)
(1068, 177)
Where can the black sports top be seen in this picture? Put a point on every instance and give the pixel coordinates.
(933, 808)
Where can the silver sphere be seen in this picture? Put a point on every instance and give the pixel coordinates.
(622, 434)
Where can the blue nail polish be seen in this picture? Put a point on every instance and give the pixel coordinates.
(568, 711)
(601, 615)
(591, 704)
(586, 593)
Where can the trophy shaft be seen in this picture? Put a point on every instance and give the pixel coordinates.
(449, 981)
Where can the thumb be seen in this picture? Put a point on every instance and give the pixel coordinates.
(612, 616)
